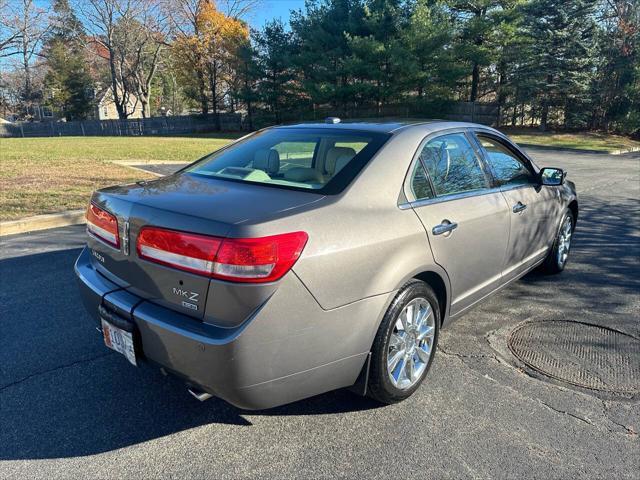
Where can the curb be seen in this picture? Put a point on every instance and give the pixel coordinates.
(139, 166)
(128, 163)
(66, 218)
(626, 150)
(580, 150)
(42, 222)
(139, 169)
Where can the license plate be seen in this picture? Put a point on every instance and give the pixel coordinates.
(119, 340)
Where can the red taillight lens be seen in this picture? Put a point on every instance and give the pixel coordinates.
(103, 225)
(186, 251)
(264, 259)
(252, 260)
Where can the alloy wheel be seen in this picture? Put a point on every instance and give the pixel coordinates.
(564, 241)
(411, 343)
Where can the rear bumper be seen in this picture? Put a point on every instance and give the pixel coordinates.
(288, 349)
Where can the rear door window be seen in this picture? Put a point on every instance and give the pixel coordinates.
(420, 186)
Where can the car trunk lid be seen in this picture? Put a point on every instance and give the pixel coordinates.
(186, 203)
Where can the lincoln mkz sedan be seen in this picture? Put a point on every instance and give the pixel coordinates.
(302, 259)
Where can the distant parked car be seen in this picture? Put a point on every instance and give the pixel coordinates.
(302, 259)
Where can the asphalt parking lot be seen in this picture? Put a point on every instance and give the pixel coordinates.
(71, 408)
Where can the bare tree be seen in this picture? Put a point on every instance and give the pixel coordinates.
(10, 31)
(23, 27)
(133, 34)
(34, 28)
(148, 30)
(239, 9)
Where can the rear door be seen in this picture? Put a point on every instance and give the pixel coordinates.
(467, 222)
(530, 204)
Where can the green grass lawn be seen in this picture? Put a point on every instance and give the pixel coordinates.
(601, 142)
(46, 175)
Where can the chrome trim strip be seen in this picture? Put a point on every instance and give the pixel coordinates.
(448, 198)
(125, 238)
(458, 196)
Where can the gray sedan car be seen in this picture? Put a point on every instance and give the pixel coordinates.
(302, 259)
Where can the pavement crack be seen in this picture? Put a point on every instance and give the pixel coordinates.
(61, 367)
(564, 412)
(468, 356)
(627, 429)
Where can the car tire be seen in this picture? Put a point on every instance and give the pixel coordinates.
(558, 255)
(390, 385)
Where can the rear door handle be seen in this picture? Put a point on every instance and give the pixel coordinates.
(445, 227)
(519, 207)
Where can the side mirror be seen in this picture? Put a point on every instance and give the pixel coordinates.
(552, 176)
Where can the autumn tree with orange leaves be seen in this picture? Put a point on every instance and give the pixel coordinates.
(205, 51)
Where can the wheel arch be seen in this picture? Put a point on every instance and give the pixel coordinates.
(573, 206)
(440, 288)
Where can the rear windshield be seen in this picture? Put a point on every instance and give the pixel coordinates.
(322, 160)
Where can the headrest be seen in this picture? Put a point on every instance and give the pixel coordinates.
(267, 160)
(337, 158)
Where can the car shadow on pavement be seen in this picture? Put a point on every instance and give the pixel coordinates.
(603, 270)
(63, 394)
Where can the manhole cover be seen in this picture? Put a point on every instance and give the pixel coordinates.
(581, 354)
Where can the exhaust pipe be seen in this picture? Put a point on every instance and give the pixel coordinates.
(199, 394)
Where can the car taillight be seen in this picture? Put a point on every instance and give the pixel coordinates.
(264, 259)
(186, 251)
(103, 225)
(251, 260)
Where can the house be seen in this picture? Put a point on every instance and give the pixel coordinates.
(105, 107)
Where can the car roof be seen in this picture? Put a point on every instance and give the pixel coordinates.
(382, 125)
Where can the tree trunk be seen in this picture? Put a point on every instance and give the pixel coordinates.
(475, 81)
(122, 114)
(204, 101)
(544, 120)
(146, 110)
(250, 114)
(213, 85)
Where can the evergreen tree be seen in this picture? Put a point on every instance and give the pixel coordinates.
(480, 25)
(615, 92)
(65, 25)
(248, 74)
(557, 58)
(68, 83)
(431, 68)
(378, 60)
(275, 52)
(322, 47)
